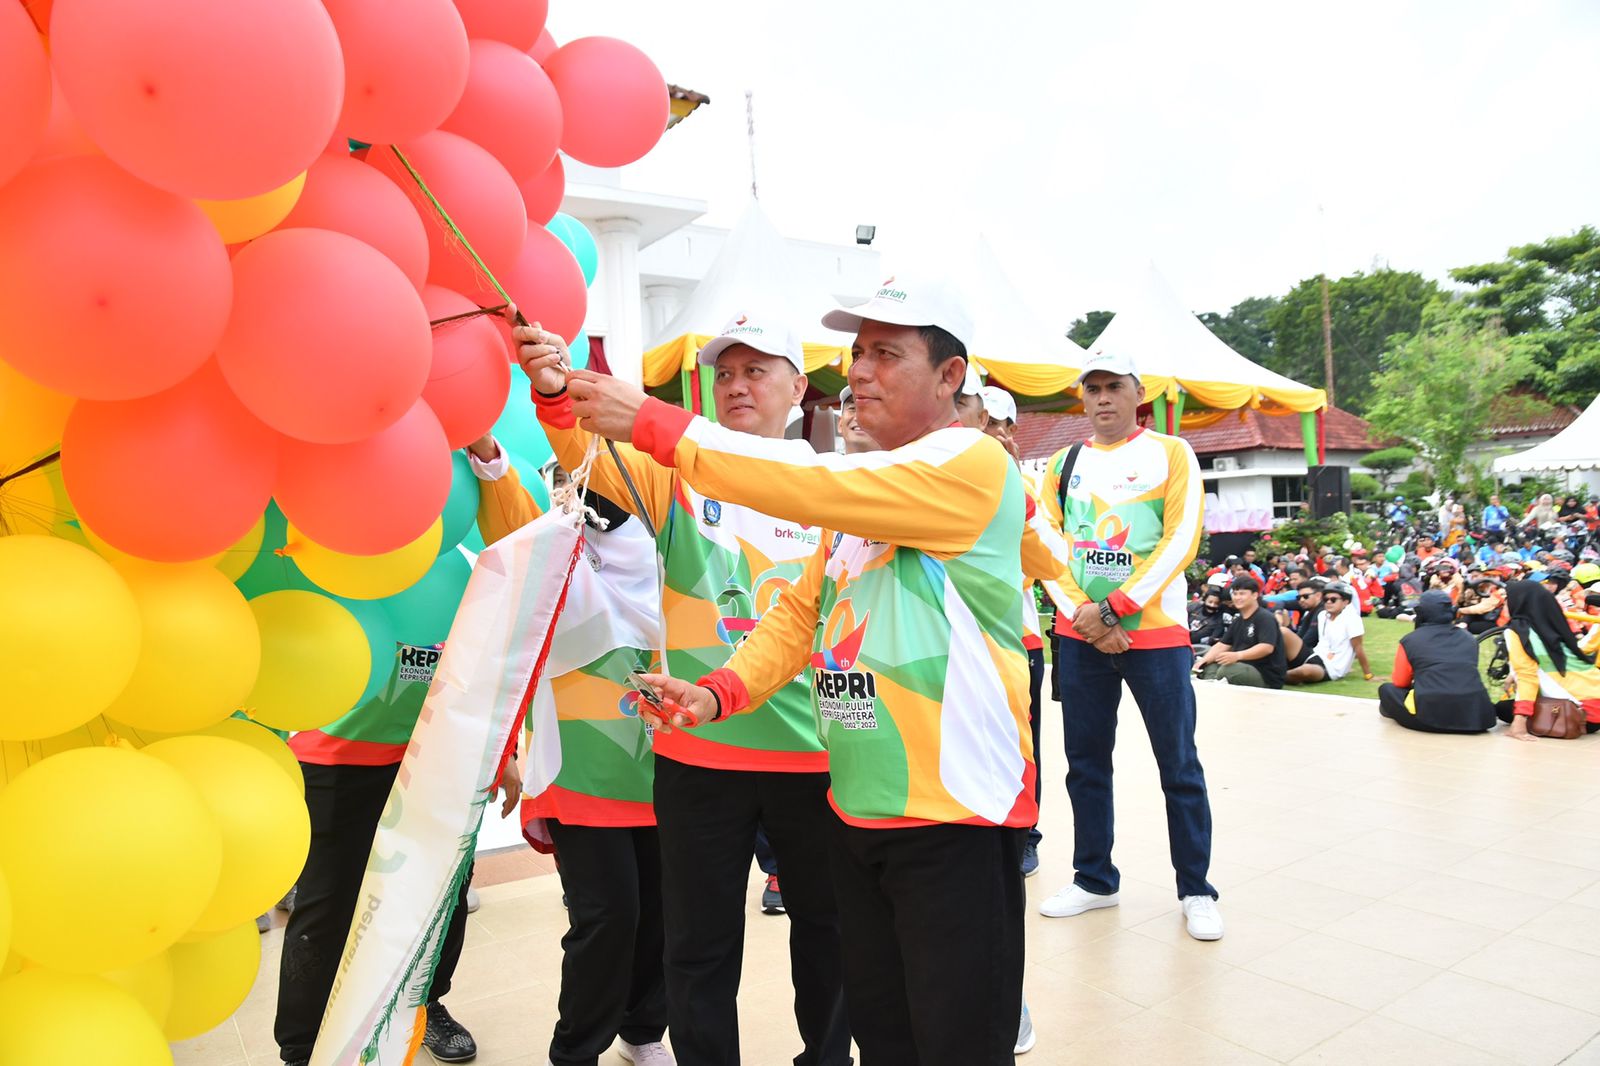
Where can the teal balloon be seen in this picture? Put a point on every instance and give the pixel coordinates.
(423, 613)
(579, 348)
(461, 508)
(1395, 553)
(380, 631)
(517, 428)
(579, 241)
(271, 572)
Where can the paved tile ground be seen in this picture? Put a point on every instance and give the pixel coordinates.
(1390, 897)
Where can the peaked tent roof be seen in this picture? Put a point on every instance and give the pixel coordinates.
(1017, 350)
(1575, 448)
(755, 270)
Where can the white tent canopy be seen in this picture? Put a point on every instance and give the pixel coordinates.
(1009, 335)
(1575, 448)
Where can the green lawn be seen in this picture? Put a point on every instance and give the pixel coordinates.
(1383, 636)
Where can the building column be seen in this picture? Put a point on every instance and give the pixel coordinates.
(661, 305)
(618, 242)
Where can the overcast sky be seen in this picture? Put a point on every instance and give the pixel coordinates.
(1085, 140)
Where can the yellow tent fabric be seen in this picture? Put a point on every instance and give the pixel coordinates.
(664, 362)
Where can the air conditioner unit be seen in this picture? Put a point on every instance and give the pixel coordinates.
(1225, 462)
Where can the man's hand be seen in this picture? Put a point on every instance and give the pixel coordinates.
(544, 356)
(1114, 641)
(1087, 623)
(511, 785)
(485, 448)
(683, 705)
(1226, 658)
(603, 404)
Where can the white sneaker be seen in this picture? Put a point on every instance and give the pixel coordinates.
(1026, 1037)
(654, 1053)
(1204, 920)
(1074, 900)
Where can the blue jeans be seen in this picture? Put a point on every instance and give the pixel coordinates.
(1091, 688)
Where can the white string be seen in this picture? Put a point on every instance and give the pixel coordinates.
(569, 497)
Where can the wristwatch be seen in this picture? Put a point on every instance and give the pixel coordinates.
(1108, 615)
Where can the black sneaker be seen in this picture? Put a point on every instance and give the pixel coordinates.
(445, 1038)
(771, 897)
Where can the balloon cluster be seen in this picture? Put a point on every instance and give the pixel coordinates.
(229, 233)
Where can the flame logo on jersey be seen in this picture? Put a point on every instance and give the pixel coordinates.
(739, 609)
(841, 638)
(1109, 536)
(629, 705)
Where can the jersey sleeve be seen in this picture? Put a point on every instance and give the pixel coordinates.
(1526, 669)
(571, 443)
(777, 649)
(504, 505)
(937, 494)
(1180, 533)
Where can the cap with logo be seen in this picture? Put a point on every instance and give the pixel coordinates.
(764, 333)
(1000, 404)
(1111, 362)
(904, 300)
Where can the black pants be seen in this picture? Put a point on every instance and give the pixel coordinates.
(345, 803)
(707, 821)
(1035, 690)
(1478, 624)
(933, 942)
(611, 983)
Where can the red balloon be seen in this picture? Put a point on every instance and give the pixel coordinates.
(328, 341)
(543, 48)
(25, 90)
(374, 495)
(510, 108)
(348, 196)
(63, 135)
(516, 22)
(405, 65)
(173, 477)
(547, 284)
(216, 101)
(542, 194)
(613, 97)
(470, 378)
(109, 289)
(479, 196)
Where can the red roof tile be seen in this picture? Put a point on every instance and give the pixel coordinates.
(1040, 435)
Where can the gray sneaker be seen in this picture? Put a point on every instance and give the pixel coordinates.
(1026, 1037)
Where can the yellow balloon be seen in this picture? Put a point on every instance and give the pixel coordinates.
(5, 917)
(111, 856)
(60, 1019)
(200, 654)
(365, 577)
(247, 219)
(31, 417)
(101, 731)
(210, 978)
(263, 740)
(314, 660)
(149, 982)
(265, 829)
(234, 561)
(70, 629)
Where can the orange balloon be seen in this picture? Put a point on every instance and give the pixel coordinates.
(349, 196)
(510, 108)
(542, 194)
(328, 341)
(24, 88)
(614, 99)
(247, 219)
(172, 477)
(373, 496)
(158, 85)
(109, 289)
(405, 64)
(63, 136)
(469, 378)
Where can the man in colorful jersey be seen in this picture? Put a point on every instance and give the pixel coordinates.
(1131, 509)
(597, 811)
(349, 767)
(909, 614)
(725, 565)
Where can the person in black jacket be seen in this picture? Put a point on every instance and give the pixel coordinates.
(1435, 687)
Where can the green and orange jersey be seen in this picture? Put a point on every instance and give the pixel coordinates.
(1131, 522)
(377, 732)
(908, 615)
(607, 767)
(724, 566)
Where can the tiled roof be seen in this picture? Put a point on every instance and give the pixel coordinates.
(1524, 414)
(1041, 435)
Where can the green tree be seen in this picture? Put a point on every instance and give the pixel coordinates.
(1436, 384)
(1388, 462)
(1084, 331)
(1547, 297)
(1245, 328)
(1366, 309)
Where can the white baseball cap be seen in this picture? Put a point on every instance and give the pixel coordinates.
(1111, 362)
(765, 333)
(903, 300)
(972, 384)
(1000, 404)
(845, 395)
